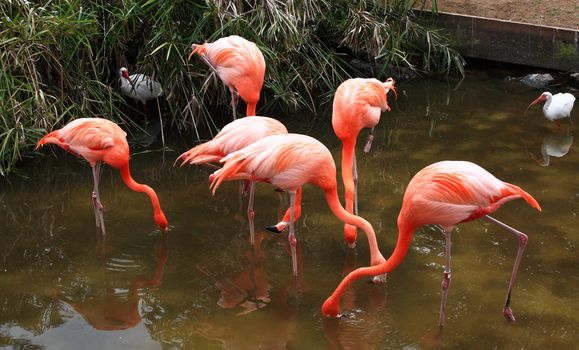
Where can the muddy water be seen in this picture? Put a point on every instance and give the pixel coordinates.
(64, 286)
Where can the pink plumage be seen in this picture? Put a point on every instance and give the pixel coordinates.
(100, 140)
(451, 192)
(234, 136)
(240, 64)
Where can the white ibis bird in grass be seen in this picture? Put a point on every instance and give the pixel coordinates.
(141, 88)
(556, 106)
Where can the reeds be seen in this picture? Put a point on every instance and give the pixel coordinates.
(59, 59)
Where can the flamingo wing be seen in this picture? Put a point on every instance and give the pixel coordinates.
(234, 136)
(451, 192)
(285, 161)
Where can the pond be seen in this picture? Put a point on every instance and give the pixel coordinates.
(203, 286)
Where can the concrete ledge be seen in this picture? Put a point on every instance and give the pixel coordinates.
(512, 42)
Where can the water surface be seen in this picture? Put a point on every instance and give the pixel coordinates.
(64, 286)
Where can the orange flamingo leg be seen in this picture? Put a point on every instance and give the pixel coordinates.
(251, 213)
(369, 140)
(523, 239)
(98, 207)
(447, 275)
(291, 236)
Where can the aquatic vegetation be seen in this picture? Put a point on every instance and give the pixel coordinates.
(60, 59)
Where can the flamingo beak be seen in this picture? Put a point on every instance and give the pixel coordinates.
(193, 51)
(539, 99)
(393, 88)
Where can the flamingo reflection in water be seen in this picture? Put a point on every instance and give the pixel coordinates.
(250, 290)
(112, 311)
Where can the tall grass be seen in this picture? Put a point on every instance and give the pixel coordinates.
(59, 59)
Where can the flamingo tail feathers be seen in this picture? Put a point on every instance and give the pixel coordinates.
(233, 169)
(512, 190)
(201, 154)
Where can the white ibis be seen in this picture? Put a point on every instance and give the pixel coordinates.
(141, 88)
(554, 145)
(556, 106)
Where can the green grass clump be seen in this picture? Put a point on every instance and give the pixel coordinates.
(59, 59)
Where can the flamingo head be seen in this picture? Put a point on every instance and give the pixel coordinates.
(544, 97)
(196, 48)
(124, 72)
(350, 235)
(331, 307)
(161, 221)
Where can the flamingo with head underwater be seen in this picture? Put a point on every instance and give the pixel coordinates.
(233, 137)
(100, 140)
(358, 104)
(239, 63)
(288, 162)
(556, 106)
(445, 193)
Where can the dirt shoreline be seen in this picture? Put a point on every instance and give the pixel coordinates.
(553, 13)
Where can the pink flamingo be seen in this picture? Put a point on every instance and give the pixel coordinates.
(358, 104)
(100, 140)
(239, 64)
(235, 136)
(445, 193)
(287, 162)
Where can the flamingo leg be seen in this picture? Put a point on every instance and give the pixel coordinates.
(234, 100)
(251, 213)
(355, 175)
(291, 236)
(523, 239)
(369, 140)
(446, 277)
(98, 207)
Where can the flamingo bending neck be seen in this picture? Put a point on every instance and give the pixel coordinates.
(338, 210)
(331, 306)
(159, 216)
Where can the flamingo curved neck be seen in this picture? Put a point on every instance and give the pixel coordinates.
(137, 187)
(331, 306)
(348, 151)
(250, 109)
(341, 213)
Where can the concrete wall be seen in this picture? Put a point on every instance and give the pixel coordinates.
(512, 42)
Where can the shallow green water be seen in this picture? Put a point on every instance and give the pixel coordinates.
(62, 286)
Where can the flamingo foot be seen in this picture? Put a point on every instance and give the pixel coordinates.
(379, 279)
(508, 313)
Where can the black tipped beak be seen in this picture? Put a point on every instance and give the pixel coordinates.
(273, 229)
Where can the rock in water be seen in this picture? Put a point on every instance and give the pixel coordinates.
(537, 80)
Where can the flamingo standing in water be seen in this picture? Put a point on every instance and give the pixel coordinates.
(141, 88)
(556, 106)
(358, 104)
(100, 140)
(288, 162)
(445, 193)
(239, 64)
(235, 136)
